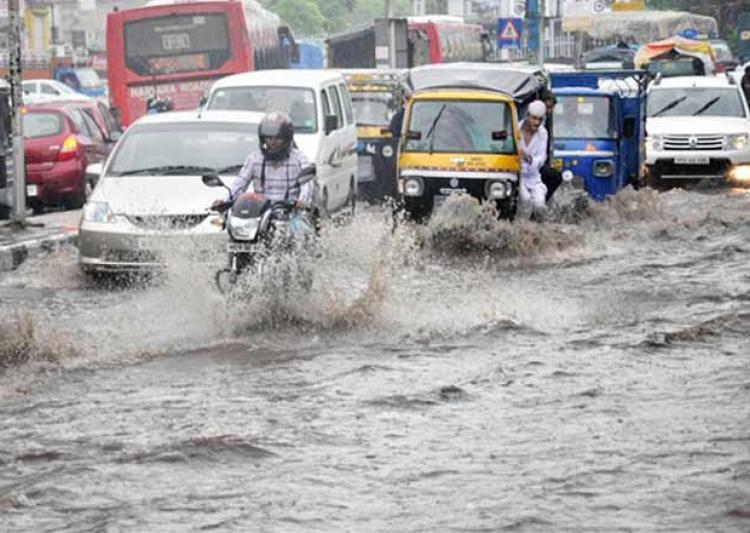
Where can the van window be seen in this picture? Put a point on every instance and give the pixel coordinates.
(337, 104)
(347, 101)
(324, 100)
(46, 89)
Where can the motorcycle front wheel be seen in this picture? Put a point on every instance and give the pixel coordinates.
(226, 279)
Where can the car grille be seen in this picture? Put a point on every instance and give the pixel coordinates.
(167, 222)
(694, 142)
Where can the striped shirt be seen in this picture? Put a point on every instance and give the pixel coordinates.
(280, 182)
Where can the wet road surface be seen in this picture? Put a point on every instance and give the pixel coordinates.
(465, 376)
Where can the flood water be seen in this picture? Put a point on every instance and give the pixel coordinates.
(587, 374)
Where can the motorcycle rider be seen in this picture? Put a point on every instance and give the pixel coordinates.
(273, 169)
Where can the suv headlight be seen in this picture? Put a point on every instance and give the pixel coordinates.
(98, 212)
(738, 142)
(604, 168)
(655, 143)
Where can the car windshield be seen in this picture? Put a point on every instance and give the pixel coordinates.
(695, 101)
(373, 108)
(88, 77)
(464, 126)
(582, 117)
(298, 103)
(184, 148)
(41, 124)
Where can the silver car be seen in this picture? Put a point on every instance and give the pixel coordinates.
(150, 202)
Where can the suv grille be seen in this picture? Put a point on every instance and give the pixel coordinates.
(167, 222)
(694, 142)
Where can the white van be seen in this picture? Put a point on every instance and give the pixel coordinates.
(320, 107)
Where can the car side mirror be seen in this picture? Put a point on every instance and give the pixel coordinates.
(499, 135)
(628, 128)
(94, 172)
(115, 136)
(414, 135)
(331, 123)
(212, 180)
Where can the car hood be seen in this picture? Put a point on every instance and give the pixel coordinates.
(696, 125)
(158, 195)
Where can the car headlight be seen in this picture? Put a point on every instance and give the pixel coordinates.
(655, 143)
(413, 187)
(604, 168)
(738, 142)
(496, 190)
(98, 212)
(243, 228)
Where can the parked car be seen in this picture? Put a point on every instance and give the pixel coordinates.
(319, 104)
(36, 91)
(697, 127)
(101, 114)
(150, 195)
(60, 141)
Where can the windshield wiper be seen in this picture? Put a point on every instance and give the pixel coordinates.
(167, 170)
(434, 125)
(707, 105)
(231, 168)
(670, 105)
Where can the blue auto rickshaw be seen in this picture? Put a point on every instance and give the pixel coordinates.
(598, 128)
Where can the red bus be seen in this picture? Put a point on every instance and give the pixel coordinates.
(446, 39)
(177, 49)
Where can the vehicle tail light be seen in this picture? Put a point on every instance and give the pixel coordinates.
(69, 149)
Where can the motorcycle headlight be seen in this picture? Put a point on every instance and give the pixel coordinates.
(413, 187)
(604, 168)
(243, 229)
(655, 143)
(738, 142)
(98, 212)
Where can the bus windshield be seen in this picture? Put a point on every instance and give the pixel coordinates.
(463, 126)
(582, 117)
(177, 43)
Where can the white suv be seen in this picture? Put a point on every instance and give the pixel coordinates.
(697, 127)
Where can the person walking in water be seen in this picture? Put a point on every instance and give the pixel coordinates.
(533, 152)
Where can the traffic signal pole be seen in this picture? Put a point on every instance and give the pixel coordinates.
(16, 98)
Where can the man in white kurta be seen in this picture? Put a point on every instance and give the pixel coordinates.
(533, 152)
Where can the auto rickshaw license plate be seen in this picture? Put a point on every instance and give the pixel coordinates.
(365, 171)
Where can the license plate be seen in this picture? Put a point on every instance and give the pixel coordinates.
(449, 192)
(31, 190)
(365, 171)
(240, 247)
(692, 160)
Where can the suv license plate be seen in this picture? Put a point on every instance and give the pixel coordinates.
(692, 160)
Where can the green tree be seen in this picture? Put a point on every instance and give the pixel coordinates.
(303, 16)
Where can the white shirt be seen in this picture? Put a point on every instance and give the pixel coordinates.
(537, 149)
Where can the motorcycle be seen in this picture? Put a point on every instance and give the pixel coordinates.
(261, 231)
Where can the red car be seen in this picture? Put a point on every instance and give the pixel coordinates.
(60, 141)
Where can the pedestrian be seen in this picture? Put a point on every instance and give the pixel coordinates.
(745, 83)
(533, 152)
(551, 177)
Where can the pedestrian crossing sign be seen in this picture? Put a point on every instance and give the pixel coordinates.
(509, 32)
